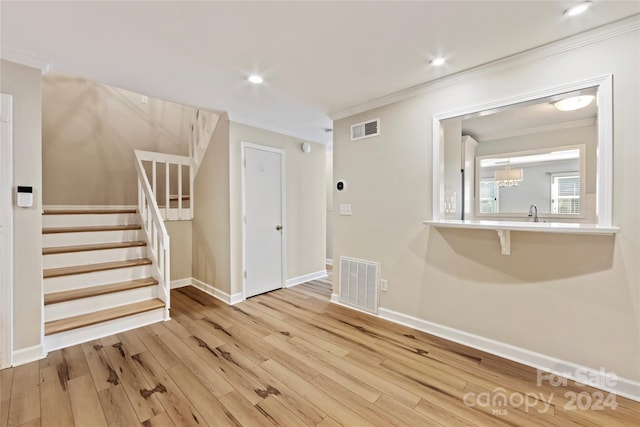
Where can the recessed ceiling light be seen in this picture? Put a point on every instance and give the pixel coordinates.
(577, 9)
(437, 61)
(255, 79)
(574, 103)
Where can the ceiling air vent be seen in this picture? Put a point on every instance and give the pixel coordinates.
(365, 129)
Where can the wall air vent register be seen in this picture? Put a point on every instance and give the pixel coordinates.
(365, 129)
(359, 283)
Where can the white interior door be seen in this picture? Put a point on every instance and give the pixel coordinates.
(6, 231)
(263, 219)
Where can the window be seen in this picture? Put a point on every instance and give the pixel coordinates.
(565, 194)
(488, 196)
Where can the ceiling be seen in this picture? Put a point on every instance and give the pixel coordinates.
(317, 58)
(529, 118)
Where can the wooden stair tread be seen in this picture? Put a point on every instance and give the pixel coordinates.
(83, 229)
(86, 248)
(93, 291)
(89, 319)
(90, 268)
(88, 211)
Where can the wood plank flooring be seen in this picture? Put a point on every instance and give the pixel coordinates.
(288, 358)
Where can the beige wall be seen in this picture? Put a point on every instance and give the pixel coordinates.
(305, 198)
(89, 133)
(573, 297)
(181, 248)
(211, 235)
(23, 83)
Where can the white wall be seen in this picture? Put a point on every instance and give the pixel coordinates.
(576, 298)
(24, 83)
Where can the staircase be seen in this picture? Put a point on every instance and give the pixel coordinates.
(106, 271)
(99, 274)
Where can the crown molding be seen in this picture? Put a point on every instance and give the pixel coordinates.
(22, 58)
(586, 38)
(535, 130)
(236, 118)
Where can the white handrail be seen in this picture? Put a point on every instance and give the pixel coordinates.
(155, 234)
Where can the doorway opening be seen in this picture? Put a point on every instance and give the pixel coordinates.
(263, 219)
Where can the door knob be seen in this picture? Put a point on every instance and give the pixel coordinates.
(278, 227)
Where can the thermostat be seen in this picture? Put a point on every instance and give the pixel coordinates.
(341, 185)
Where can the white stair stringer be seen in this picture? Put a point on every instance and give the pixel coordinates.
(77, 307)
(76, 281)
(69, 259)
(101, 330)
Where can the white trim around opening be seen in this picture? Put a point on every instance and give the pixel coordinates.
(6, 231)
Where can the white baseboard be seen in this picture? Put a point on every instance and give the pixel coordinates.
(335, 298)
(27, 355)
(181, 283)
(595, 378)
(88, 207)
(305, 278)
(329, 261)
(217, 293)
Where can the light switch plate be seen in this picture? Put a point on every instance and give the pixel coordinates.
(383, 285)
(345, 209)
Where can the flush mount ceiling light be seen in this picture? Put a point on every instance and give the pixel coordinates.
(577, 9)
(255, 79)
(437, 61)
(574, 103)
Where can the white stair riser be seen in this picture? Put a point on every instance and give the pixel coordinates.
(92, 257)
(88, 219)
(89, 238)
(101, 302)
(85, 280)
(101, 330)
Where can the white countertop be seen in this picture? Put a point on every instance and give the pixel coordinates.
(544, 227)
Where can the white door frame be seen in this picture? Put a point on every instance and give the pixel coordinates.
(243, 146)
(6, 188)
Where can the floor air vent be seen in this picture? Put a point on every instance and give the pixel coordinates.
(365, 129)
(359, 283)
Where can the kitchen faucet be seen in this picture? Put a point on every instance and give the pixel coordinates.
(533, 211)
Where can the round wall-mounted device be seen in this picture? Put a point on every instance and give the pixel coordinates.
(341, 185)
(306, 147)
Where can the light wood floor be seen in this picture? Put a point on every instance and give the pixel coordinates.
(286, 358)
